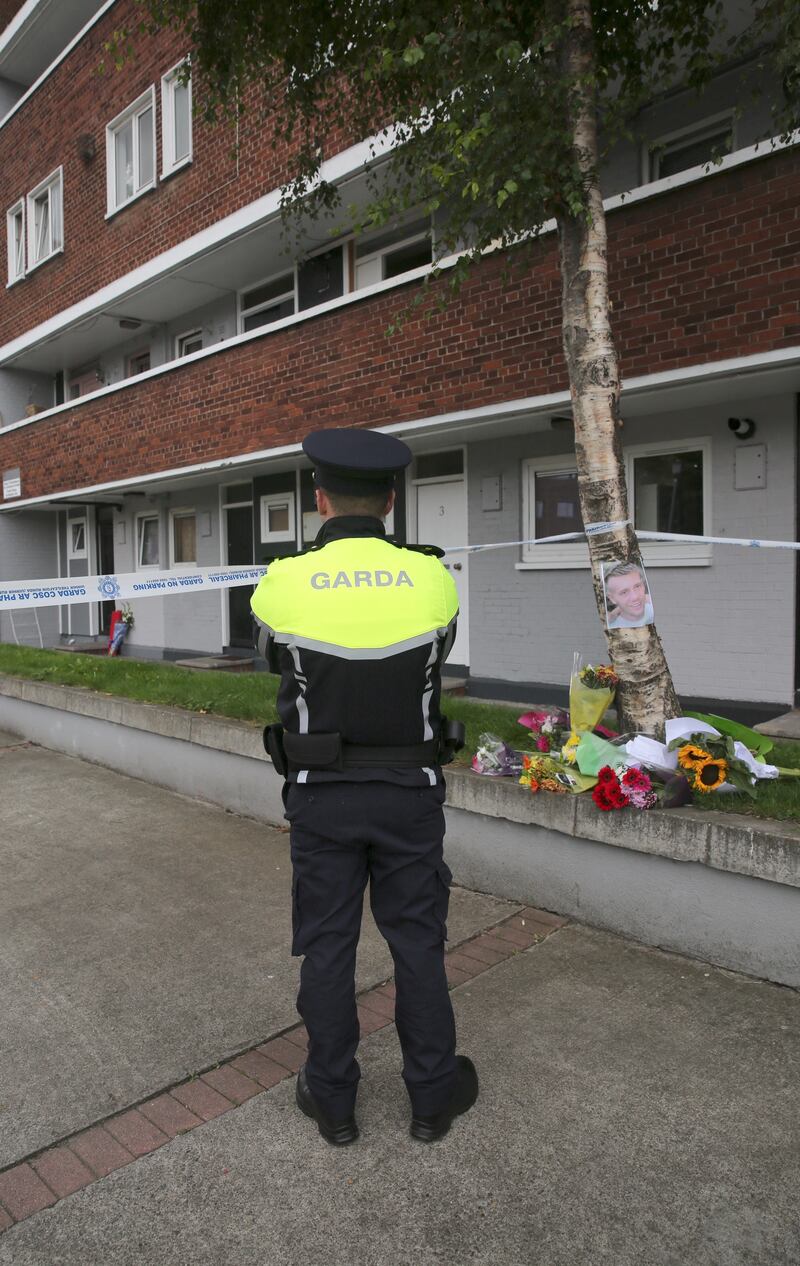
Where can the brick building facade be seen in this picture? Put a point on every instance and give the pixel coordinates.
(161, 355)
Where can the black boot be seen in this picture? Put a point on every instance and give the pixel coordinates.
(429, 1129)
(339, 1133)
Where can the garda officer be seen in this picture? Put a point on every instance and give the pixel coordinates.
(358, 629)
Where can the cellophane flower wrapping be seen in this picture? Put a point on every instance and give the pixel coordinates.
(588, 703)
(496, 758)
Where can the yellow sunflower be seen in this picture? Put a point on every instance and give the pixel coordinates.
(692, 757)
(710, 775)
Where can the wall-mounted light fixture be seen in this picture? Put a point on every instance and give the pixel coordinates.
(129, 323)
(742, 428)
(86, 146)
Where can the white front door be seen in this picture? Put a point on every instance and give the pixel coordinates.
(442, 521)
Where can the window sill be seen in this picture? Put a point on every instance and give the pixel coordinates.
(16, 281)
(123, 206)
(176, 167)
(32, 267)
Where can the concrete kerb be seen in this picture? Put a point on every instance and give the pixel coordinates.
(500, 838)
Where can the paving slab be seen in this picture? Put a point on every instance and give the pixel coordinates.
(786, 726)
(636, 1107)
(143, 937)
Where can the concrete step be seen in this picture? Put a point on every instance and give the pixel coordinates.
(217, 663)
(786, 726)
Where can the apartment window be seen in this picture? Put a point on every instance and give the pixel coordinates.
(83, 381)
(185, 344)
(183, 537)
(690, 147)
(551, 508)
(15, 236)
(394, 253)
(147, 542)
(45, 219)
(320, 278)
(130, 152)
(669, 491)
(77, 538)
(278, 517)
(176, 119)
(267, 302)
(138, 364)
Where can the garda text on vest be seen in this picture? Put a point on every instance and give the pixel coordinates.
(360, 579)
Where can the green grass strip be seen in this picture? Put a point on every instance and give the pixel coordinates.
(251, 697)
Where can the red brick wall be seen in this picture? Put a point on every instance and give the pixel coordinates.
(8, 10)
(701, 274)
(77, 100)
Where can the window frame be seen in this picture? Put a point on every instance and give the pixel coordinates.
(134, 356)
(142, 515)
(570, 554)
(673, 553)
(51, 183)
(575, 554)
(73, 553)
(169, 81)
(654, 150)
(145, 101)
(268, 537)
(371, 256)
(182, 512)
(181, 338)
(242, 312)
(18, 209)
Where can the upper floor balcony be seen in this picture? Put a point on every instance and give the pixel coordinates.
(111, 183)
(34, 34)
(694, 280)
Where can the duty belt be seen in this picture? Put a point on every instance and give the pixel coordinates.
(292, 752)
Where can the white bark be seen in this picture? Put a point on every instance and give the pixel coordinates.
(646, 697)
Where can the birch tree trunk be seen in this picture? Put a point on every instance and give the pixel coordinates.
(646, 697)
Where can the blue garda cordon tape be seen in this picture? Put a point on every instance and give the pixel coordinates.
(16, 595)
(19, 594)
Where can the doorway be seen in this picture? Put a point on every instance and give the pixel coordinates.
(442, 521)
(239, 533)
(105, 560)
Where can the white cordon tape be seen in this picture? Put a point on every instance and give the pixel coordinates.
(58, 593)
(597, 528)
(18, 595)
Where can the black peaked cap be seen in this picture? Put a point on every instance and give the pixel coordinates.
(355, 462)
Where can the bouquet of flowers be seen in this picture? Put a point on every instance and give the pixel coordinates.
(549, 730)
(616, 791)
(541, 773)
(496, 758)
(591, 690)
(709, 761)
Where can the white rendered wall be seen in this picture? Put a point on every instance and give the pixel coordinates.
(728, 629)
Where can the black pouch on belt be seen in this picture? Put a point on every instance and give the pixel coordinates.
(313, 751)
(273, 746)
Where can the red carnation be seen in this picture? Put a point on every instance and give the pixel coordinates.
(636, 780)
(601, 798)
(617, 798)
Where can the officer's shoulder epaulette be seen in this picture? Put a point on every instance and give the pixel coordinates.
(432, 551)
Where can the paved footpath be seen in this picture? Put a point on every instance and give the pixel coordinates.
(637, 1108)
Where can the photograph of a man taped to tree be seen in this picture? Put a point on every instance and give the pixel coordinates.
(627, 595)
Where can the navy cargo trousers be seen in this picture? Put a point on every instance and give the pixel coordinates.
(344, 834)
